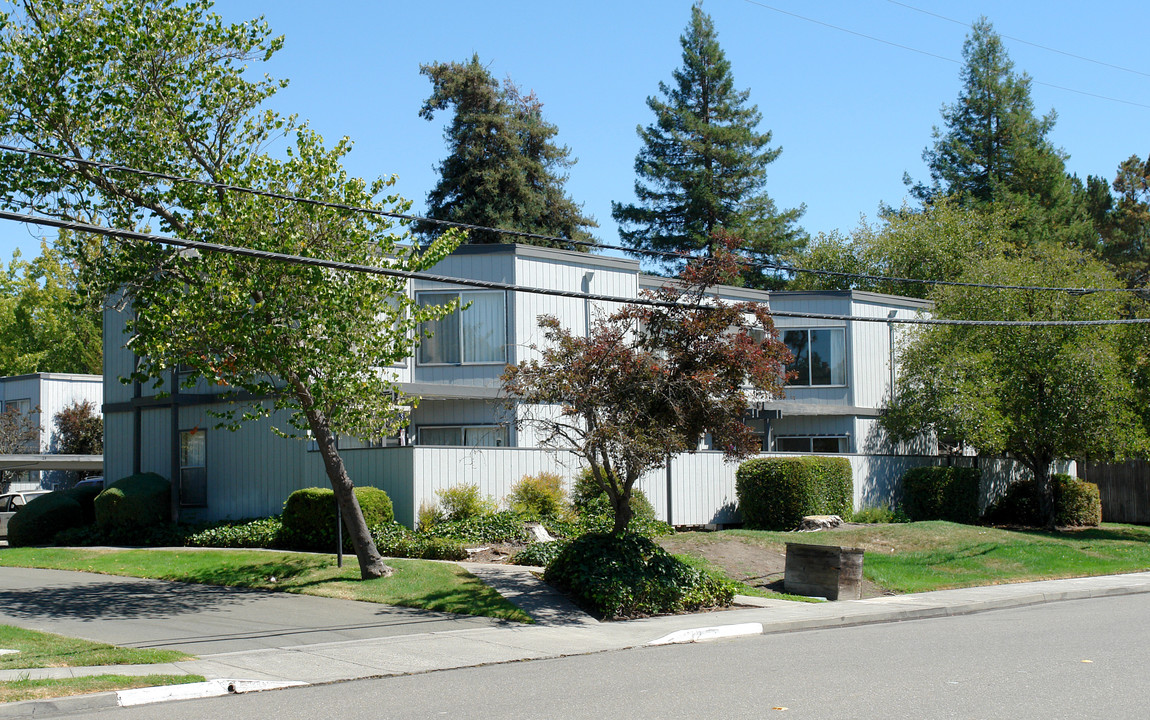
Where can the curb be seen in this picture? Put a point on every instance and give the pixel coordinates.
(705, 634)
(138, 696)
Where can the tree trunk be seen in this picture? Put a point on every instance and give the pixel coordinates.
(1044, 490)
(623, 512)
(371, 563)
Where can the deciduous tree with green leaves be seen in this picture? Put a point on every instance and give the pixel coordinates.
(166, 86)
(503, 168)
(45, 323)
(1035, 393)
(703, 165)
(647, 382)
(937, 243)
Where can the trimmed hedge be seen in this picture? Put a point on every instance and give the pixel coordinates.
(134, 502)
(309, 517)
(1076, 503)
(775, 493)
(942, 493)
(618, 576)
(38, 522)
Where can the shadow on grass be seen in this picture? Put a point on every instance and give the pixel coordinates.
(249, 575)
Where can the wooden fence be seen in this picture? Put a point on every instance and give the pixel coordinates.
(1124, 487)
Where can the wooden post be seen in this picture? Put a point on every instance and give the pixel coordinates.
(826, 571)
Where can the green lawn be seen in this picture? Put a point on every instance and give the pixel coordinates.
(40, 649)
(416, 583)
(917, 557)
(17, 690)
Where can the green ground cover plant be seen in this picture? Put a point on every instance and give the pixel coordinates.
(28, 689)
(41, 649)
(427, 585)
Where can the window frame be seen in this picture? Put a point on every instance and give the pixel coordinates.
(202, 468)
(460, 327)
(808, 330)
(463, 433)
(811, 443)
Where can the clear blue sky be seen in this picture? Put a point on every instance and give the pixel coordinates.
(852, 114)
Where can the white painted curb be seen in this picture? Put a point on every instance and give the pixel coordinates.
(192, 691)
(709, 633)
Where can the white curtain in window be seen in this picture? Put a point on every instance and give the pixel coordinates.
(838, 357)
(484, 328)
(443, 345)
(485, 436)
(192, 448)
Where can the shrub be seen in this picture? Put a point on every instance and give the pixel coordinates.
(309, 517)
(775, 493)
(38, 522)
(395, 540)
(85, 495)
(878, 515)
(597, 516)
(942, 493)
(1076, 503)
(616, 576)
(503, 526)
(429, 516)
(134, 502)
(539, 553)
(260, 533)
(538, 496)
(461, 502)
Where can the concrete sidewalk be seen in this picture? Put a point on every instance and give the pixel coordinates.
(561, 630)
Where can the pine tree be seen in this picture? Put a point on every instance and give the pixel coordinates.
(503, 169)
(993, 149)
(703, 164)
(993, 144)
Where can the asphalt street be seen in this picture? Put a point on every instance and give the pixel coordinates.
(1075, 659)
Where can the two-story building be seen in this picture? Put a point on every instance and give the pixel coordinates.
(464, 430)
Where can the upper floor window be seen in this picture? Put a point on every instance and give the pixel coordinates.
(464, 435)
(475, 334)
(820, 356)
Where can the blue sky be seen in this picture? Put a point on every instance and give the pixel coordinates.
(851, 113)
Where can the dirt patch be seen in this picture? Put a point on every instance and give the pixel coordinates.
(756, 566)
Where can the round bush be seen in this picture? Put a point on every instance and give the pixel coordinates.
(538, 495)
(85, 495)
(618, 576)
(133, 502)
(1076, 503)
(38, 522)
(309, 516)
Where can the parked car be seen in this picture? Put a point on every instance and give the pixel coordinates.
(11, 503)
(94, 481)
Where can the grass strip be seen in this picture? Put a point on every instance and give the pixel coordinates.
(443, 587)
(17, 690)
(41, 650)
(936, 555)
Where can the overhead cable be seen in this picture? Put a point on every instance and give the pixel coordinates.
(492, 285)
(664, 254)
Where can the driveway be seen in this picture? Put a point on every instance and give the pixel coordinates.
(200, 619)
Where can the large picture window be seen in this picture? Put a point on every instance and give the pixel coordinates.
(476, 334)
(820, 356)
(464, 435)
(813, 444)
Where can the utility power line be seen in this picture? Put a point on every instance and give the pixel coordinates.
(491, 285)
(1024, 42)
(934, 55)
(778, 267)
